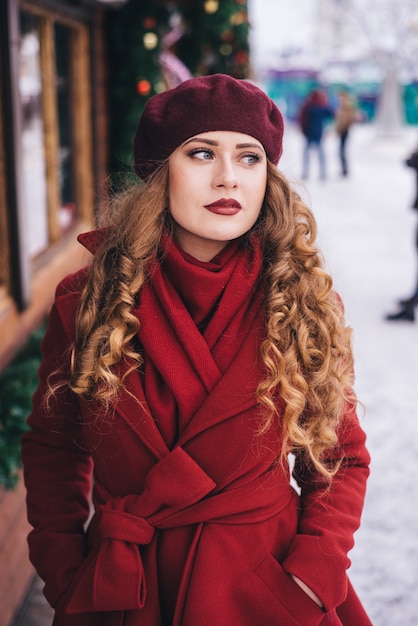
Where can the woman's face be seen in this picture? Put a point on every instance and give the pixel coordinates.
(217, 183)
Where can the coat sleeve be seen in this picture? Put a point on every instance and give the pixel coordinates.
(57, 471)
(329, 518)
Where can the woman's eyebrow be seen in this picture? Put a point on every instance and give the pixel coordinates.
(250, 145)
(211, 142)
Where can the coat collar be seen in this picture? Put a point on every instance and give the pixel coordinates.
(93, 239)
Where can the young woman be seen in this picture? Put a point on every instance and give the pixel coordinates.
(202, 349)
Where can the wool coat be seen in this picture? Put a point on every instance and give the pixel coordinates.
(131, 531)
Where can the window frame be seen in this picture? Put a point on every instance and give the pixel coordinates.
(15, 255)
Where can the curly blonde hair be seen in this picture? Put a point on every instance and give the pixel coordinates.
(307, 349)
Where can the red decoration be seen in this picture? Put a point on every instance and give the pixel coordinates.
(241, 57)
(149, 23)
(227, 35)
(143, 87)
(238, 18)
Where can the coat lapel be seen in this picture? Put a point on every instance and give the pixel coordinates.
(133, 408)
(235, 392)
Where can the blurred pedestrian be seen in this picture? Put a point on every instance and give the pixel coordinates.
(313, 116)
(412, 162)
(345, 116)
(203, 344)
(407, 310)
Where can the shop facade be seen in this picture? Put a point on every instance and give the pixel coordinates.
(52, 152)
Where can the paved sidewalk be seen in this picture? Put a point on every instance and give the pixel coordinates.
(35, 611)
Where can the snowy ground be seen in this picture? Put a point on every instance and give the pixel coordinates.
(366, 230)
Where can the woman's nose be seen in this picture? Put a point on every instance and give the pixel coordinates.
(225, 175)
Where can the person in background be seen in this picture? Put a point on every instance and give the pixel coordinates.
(407, 306)
(345, 116)
(203, 345)
(314, 114)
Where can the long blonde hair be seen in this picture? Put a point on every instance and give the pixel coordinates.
(306, 351)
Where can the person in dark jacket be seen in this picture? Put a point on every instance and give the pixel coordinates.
(314, 115)
(202, 345)
(406, 311)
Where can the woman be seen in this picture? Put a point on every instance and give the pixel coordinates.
(202, 346)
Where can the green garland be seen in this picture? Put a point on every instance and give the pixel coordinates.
(134, 74)
(18, 383)
(216, 38)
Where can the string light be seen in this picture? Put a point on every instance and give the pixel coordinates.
(225, 49)
(238, 18)
(150, 41)
(149, 22)
(143, 87)
(211, 6)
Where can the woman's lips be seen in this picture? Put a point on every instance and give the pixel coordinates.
(224, 206)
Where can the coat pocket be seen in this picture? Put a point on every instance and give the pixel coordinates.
(298, 606)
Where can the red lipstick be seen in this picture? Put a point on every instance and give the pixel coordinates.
(224, 206)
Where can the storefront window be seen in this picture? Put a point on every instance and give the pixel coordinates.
(63, 56)
(46, 156)
(33, 150)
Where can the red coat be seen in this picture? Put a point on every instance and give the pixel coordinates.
(211, 528)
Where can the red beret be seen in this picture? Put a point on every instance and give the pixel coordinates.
(203, 104)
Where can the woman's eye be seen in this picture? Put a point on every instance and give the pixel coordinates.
(201, 153)
(251, 159)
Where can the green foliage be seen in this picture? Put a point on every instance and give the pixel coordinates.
(132, 65)
(216, 42)
(18, 383)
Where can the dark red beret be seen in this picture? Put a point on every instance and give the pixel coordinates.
(203, 104)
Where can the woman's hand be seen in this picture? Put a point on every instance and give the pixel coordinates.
(307, 590)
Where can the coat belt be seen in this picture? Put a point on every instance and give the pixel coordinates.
(175, 494)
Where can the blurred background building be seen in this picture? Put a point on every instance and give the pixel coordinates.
(368, 47)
